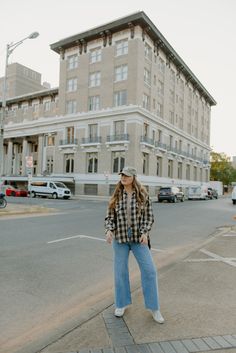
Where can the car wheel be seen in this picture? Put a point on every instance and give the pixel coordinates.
(175, 199)
(33, 194)
(54, 195)
(182, 199)
(234, 202)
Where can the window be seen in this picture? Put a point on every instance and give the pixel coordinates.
(194, 173)
(92, 162)
(70, 135)
(160, 88)
(69, 163)
(49, 165)
(35, 107)
(180, 170)
(188, 172)
(172, 117)
(118, 161)
(94, 103)
(46, 106)
(50, 140)
(146, 102)
(145, 163)
(24, 108)
(145, 129)
(71, 107)
(95, 55)
(72, 62)
(93, 132)
(159, 166)
(172, 96)
(161, 65)
(120, 98)
(170, 168)
(147, 76)
(148, 52)
(90, 189)
(72, 85)
(121, 73)
(160, 109)
(119, 127)
(122, 47)
(95, 79)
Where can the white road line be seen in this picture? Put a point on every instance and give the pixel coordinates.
(214, 257)
(81, 236)
(229, 235)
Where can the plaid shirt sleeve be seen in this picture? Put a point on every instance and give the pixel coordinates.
(147, 218)
(110, 220)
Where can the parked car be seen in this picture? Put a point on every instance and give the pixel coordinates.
(49, 189)
(198, 192)
(12, 191)
(234, 195)
(212, 193)
(170, 194)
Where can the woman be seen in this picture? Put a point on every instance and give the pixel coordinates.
(128, 222)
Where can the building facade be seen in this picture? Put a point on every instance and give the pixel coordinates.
(125, 97)
(20, 80)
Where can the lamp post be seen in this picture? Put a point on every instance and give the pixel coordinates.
(9, 49)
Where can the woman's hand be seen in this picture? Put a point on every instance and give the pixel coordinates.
(144, 239)
(109, 236)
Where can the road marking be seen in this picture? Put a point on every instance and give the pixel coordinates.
(82, 236)
(229, 235)
(214, 257)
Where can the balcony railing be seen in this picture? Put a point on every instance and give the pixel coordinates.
(66, 142)
(160, 145)
(147, 140)
(91, 139)
(120, 137)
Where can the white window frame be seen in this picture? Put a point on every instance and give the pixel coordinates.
(122, 47)
(72, 84)
(120, 98)
(94, 103)
(95, 79)
(95, 55)
(121, 73)
(72, 62)
(71, 107)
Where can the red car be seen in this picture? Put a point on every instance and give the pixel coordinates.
(11, 191)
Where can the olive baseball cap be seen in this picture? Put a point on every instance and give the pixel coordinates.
(128, 171)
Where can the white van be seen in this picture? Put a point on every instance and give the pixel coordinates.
(234, 195)
(199, 192)
(55, 189)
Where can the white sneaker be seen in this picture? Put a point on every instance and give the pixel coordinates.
(156, 314)
(119, 312)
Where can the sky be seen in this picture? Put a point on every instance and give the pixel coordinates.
(202, 32)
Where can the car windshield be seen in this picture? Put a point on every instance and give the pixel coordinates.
(165, 190)
(60, 185)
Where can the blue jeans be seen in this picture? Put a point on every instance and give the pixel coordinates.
(148, 274)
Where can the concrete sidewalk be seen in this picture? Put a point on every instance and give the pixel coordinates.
(197, 295)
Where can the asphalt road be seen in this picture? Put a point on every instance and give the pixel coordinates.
(56, 269)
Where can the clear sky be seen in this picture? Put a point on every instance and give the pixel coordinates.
(202, 32)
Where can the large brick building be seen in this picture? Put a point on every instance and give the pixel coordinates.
(125, 97)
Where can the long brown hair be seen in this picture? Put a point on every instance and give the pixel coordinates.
(140, 191)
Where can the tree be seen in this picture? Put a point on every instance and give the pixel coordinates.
(222, 169)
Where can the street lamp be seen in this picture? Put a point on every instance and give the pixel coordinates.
(9, 49)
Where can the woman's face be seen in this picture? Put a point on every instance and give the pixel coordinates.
(126, 180)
